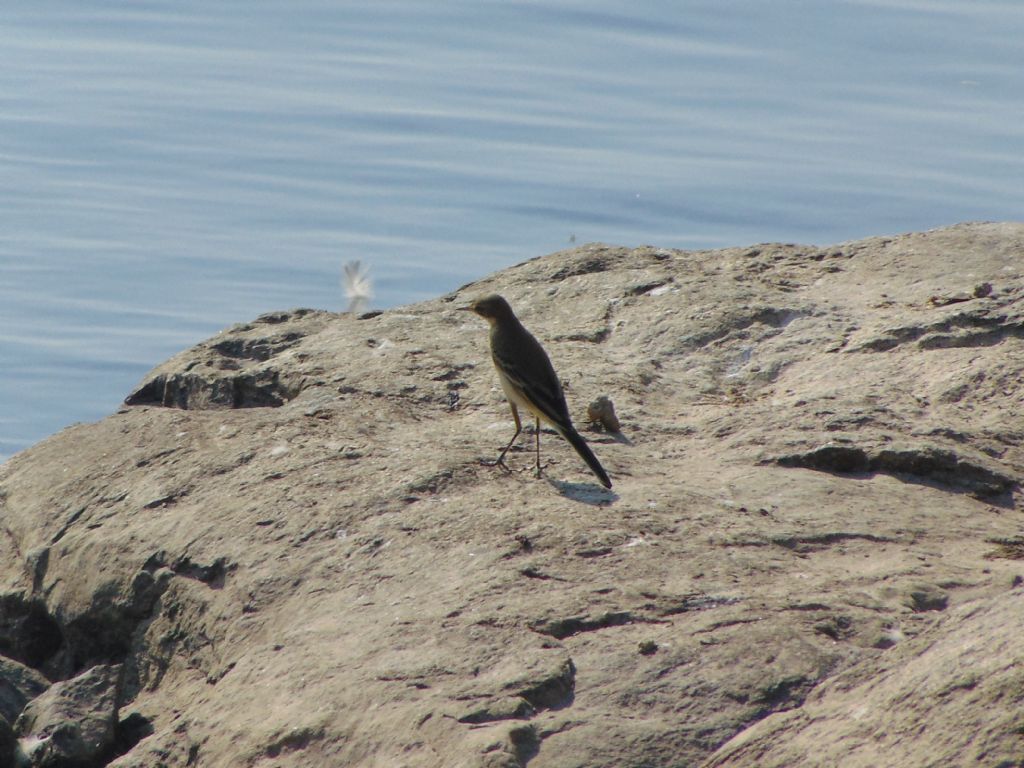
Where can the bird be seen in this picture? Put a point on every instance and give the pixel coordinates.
(358, 286)
(529, 381)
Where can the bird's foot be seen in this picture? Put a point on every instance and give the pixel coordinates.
(538, 469)
(499, 462)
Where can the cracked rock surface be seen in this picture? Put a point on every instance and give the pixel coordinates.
(286, 550)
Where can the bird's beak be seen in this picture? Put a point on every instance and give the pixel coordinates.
(465, 309)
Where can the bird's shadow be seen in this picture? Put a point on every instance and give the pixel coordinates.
(598, 435)
(585, 493)
(619, 437)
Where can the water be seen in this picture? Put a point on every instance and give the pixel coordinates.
(170, 168)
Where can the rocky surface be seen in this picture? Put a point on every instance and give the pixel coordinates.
(19, 684)
(289, 549)
(73, 722)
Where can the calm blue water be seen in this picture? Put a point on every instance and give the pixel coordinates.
(170, 168)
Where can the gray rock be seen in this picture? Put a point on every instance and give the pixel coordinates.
(74, 722)
(947, 682)
(291, 544)
(19, 684)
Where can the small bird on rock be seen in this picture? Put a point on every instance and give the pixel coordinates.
(529, 380)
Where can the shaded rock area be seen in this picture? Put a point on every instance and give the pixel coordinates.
(18, 686)
(73, 722)
(921, 463)
(286, 550)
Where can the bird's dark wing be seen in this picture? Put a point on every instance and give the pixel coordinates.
(535, 379)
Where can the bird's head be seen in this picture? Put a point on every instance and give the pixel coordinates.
(491, 308)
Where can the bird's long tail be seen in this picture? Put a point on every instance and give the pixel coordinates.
(577, 442)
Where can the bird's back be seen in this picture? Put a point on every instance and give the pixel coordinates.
(522, 358)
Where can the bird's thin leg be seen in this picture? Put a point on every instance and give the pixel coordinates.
(537, 433)
(500, 461)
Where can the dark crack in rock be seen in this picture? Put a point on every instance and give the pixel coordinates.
(555, 691)
(27, 631)
(926, 464)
